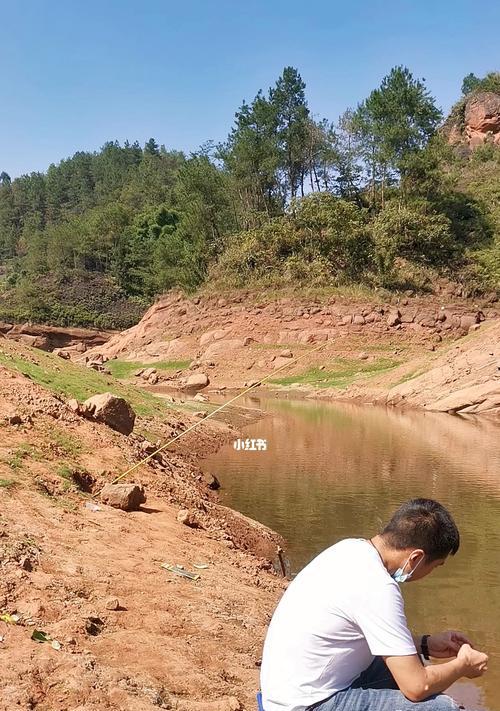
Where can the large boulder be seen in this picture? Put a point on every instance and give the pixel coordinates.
(112, 410)
(197, 381)
(127, 497)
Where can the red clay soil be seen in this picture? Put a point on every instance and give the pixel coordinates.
(171, 642)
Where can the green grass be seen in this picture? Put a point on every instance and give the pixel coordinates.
(65, 471)
(341, 375)
(23, 452)
(123, 369)
(76, 381)
(67, 444)
(7, 483)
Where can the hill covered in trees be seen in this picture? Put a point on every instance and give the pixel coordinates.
(379, 198)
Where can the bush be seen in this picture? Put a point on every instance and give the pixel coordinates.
(321, 238)
(415, 232)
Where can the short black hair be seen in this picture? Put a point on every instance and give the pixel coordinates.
(425, 524)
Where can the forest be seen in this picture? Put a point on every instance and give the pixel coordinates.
(377, 199)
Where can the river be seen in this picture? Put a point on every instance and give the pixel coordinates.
(330, 471)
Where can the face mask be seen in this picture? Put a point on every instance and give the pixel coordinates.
(400, 576)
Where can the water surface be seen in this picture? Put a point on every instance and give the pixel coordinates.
(332, 471)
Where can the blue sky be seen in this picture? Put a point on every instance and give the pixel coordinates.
(80, 72)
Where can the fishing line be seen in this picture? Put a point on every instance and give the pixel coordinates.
(213, 412)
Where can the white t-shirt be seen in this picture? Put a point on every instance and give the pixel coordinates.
(341, 611)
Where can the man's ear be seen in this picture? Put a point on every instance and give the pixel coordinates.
(421, 558)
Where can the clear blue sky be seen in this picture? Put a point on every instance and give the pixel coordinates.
(76, 73)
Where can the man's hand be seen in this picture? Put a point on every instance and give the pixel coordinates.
(474, 663)
(446, 644)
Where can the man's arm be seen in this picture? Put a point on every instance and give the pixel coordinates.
(418, 682)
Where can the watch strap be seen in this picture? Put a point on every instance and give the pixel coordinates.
(425, 646)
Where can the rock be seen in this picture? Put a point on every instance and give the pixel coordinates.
(280, 362)
(211, 336)
(474, 327)
(248, 340)
(199, 397)
(112, 410)
(427, 320)
(363, 356)
(197, 381)
(212, 482)
(74, 405)
(61, 353)
(408, 316)
(482, 118)
(286, 353)
(358, 319)
(188, 518)
(112, 603)
(148, 372)
(251, 383)
(40, 342)
(346, 320)
(14, 419)
(468, 320)
(127, 497)
(314, 336)
(94, 626)
(393, 318)
(199, 414)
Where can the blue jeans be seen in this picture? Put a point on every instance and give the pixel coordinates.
(376, 690)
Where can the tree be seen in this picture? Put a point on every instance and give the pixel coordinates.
(291, 115)
(470, 83)
(152, 148)
(251, 157)
(394, 122)
(5, 178)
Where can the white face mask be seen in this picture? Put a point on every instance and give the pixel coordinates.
(400, 576)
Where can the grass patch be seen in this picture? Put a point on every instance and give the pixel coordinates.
(341, 375)
(64, 442)
(76, 381)
(7, 483)
(24, 451)
(123, 369)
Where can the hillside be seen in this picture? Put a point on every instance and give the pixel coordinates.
(383, 196)
(131, 634)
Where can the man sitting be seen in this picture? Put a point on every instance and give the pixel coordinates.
(339, 640)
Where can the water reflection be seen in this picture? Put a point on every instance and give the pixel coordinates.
(332, 471)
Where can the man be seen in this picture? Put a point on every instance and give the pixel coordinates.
(339, 640)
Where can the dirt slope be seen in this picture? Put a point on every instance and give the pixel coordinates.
(172, 643)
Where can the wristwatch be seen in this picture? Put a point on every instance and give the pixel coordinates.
(424, 646)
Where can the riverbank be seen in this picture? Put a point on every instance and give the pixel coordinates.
(132, 635)
(439, 352)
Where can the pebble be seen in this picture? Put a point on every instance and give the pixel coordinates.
(112, 603)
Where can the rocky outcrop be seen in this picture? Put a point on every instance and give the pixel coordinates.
(48, 338)
(463, 380)
(482, 119)
(477, 122)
